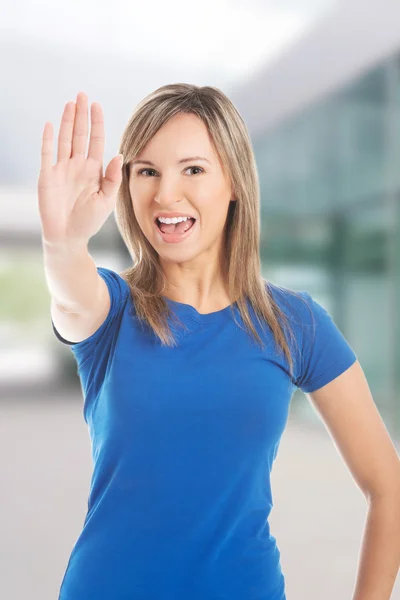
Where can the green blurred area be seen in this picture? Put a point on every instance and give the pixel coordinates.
(24, 295)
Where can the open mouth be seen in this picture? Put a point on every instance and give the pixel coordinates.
(175, 228)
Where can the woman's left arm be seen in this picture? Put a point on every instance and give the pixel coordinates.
(348, 411)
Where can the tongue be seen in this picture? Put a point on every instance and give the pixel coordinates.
(176, 227)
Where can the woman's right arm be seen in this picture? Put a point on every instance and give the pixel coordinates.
(80, 300)
(75, 200)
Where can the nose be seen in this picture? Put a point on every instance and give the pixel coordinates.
(168, 195)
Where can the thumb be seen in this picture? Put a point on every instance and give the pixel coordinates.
(112, 177)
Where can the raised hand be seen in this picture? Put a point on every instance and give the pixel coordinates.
(75, 199)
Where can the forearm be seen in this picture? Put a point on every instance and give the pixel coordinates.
(379, 560)
(71, 275)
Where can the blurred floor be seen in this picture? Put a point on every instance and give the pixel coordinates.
(318, 514)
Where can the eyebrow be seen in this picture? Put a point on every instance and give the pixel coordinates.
(182, 160)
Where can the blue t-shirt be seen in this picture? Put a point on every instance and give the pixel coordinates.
(183, 441)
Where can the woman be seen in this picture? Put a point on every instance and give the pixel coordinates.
(188, 359)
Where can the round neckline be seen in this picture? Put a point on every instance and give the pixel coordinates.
(191, 311)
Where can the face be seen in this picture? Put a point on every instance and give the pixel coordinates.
(196, 187)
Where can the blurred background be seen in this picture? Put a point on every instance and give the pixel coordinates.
(318, 85)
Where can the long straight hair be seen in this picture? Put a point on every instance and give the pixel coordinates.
(232, 143)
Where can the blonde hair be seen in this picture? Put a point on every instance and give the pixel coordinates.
(231, 140)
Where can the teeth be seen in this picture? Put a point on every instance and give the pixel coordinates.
(173, 220)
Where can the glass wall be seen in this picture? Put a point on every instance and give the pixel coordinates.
(330, 208)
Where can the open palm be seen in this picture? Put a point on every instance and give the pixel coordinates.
(75, 199)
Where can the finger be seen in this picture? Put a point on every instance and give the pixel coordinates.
(80, 133)
(66, 129)
(96, 142)
(47, 148)
(112, 178)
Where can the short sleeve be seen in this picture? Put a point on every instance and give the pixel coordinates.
(325, 352)
(99, 344)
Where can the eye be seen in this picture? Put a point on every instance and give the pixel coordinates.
(192, 167)
(142, 170)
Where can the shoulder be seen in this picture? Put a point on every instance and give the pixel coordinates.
(113, 278)
(117, 285)
(295, 304)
